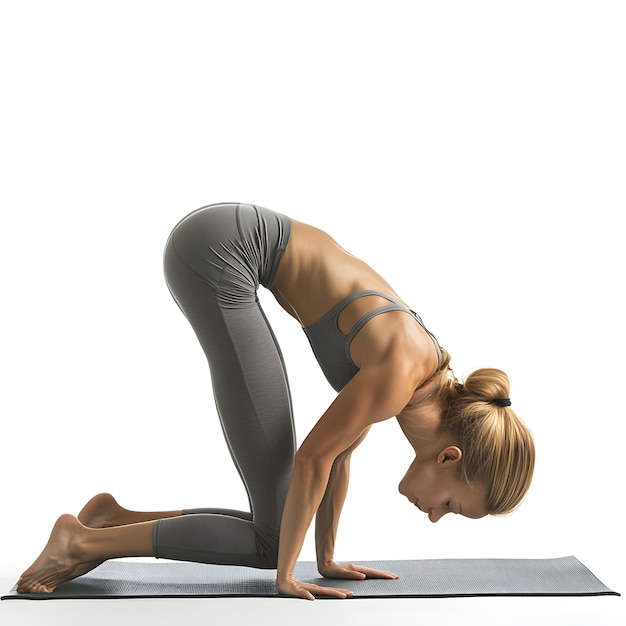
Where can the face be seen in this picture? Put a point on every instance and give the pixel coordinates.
(435, 488)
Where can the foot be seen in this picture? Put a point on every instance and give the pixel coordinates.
(61, 560)
(103, 511)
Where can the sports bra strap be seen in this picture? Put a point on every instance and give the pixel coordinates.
(392, 306)
(361, 294)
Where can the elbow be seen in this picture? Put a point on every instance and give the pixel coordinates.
(306, 458)
(312, 464)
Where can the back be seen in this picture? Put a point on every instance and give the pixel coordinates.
(317, 282)
(316, 273)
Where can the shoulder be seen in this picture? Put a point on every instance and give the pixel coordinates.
(375, 394)
(395, 344)
(389, 382)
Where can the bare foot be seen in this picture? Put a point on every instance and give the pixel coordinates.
(61, 560)
(103, 511)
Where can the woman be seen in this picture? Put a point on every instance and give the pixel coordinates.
(473, 456)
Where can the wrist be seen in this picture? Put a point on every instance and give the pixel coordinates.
(325, 565)
(324, 560)
(282, 578)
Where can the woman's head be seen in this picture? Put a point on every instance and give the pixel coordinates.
(498, 448)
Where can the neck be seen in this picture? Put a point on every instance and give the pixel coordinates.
(421, 425)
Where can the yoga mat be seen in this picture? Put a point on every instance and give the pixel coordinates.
(564, 576)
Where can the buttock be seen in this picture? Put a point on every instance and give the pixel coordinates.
(232, 247)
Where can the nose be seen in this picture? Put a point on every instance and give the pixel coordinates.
(435, 514)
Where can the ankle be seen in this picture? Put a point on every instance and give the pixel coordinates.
(83, 545)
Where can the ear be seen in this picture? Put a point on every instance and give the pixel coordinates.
(451, 454)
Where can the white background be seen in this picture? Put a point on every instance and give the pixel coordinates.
(472, 152)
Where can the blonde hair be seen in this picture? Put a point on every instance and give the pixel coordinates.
(498, 448)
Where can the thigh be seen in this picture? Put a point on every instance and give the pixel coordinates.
(253, 400)
(249, 381)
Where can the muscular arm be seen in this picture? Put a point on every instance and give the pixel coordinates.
(373, 395)
(329, 511)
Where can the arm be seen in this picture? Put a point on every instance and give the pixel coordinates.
(327, 521)
(327, 517)
(373, 395)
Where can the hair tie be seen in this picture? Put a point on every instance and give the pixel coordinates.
(502, 402)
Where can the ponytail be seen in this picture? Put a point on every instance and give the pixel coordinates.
(498, 448)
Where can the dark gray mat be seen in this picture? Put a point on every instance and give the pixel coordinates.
(564, 576)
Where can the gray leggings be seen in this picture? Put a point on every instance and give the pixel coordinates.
(214, 261)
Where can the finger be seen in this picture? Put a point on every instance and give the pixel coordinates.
(343, 571)
(334, 592)
(309, 592)
(374, 573)
(355, 574)
(299, 592)
(295, 591)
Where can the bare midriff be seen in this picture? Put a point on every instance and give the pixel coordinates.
(315, 273)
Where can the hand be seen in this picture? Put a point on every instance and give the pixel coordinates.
(354, 572)
(308, 591)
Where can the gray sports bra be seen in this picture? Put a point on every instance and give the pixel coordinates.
(332, 347)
